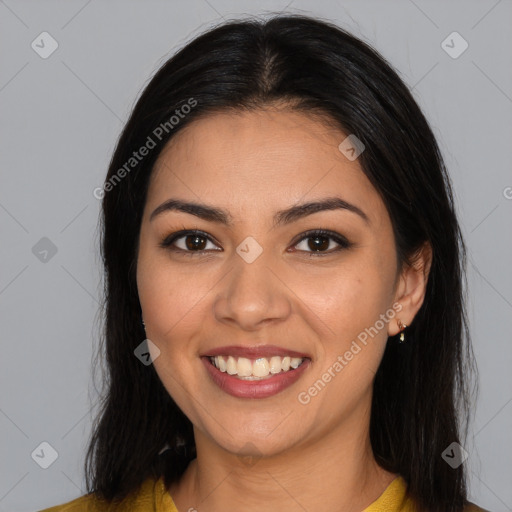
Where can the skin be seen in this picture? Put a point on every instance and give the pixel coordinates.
(253, 164)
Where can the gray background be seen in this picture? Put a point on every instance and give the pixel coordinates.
(60, 118)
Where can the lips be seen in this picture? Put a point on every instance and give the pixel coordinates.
(264, 388)
(254, 352)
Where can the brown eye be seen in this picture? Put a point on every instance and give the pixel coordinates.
(318, 243)
(195, 242)
(189, 241)
(321, 242)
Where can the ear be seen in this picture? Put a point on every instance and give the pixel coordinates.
(411, 287)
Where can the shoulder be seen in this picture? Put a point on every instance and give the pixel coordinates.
(151, 496)
(397, 493)
(471, 507)
(87, 503)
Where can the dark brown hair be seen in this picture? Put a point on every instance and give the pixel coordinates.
(421, 399)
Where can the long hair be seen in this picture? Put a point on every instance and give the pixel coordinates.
(421, 396)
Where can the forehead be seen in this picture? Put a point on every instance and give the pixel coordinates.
(273, 157)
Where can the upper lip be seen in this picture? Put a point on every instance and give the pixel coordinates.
(254, 352)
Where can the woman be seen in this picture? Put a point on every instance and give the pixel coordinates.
(285, 325)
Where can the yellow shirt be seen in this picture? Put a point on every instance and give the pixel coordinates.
(153, 497)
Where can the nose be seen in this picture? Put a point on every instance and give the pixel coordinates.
(252, 296)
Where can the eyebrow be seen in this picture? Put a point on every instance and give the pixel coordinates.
(287, 216)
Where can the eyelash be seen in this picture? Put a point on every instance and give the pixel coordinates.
(343, 243)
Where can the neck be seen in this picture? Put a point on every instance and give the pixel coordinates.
(338, 470)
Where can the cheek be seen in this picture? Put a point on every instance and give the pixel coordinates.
(171, 299)
(347, 298)
(172, 306)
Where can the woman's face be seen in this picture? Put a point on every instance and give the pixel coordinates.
(254, 277)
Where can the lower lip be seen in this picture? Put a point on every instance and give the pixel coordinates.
(254, 388)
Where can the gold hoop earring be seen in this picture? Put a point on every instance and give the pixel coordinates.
(402, 327)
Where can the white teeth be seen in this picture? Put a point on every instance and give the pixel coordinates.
(260, 367)
(255, 369)
(231, 366)
(275, 364)
(294, 363)
(244, 367)
(221, 364)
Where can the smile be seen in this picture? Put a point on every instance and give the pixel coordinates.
(252, 369)
(254, 378)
